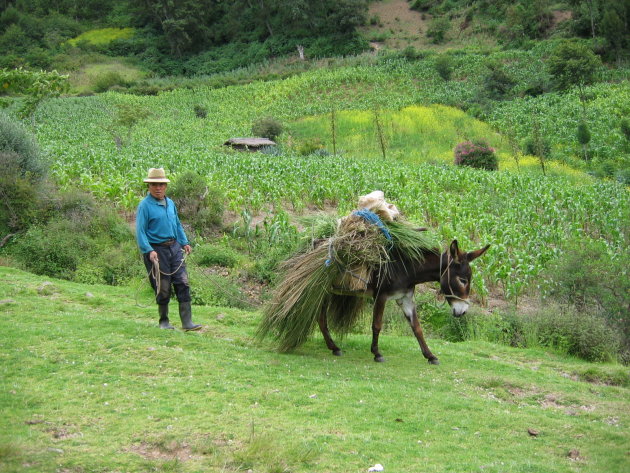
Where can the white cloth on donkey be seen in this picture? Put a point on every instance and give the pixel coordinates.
(375, 202)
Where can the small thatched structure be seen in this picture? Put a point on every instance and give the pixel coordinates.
(249, 144)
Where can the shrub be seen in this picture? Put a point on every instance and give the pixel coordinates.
(565, 330)
(197, 204)
(422, 5)
(213, 255)
(581, 334)
(410, 53)
(107, 80)
(19, 195)
(120, 264)
(496, 83)
(438, 29)
(475, 326)
(53, 249)
(212, 289)
(200, 111)
(22, 177)
(309, 146)
(444, 66)
(540, 147)
(113, 265)
(590, 280)
(573, 63)
(266, 268)
(583, 136)
(476, 154)
(267, 127)
(15, 139)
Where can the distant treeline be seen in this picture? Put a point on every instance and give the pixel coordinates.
(516, 21)
(171, 32)
(173, 37)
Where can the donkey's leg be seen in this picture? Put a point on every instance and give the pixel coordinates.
(408, 306)
(323, 326)
(377, 325)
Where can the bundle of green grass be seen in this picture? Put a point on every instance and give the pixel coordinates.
(332, 272)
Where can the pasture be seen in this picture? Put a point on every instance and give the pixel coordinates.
(88, 383)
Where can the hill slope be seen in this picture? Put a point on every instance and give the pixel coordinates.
(90, 384)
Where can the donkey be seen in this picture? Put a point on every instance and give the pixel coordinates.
(398, 280)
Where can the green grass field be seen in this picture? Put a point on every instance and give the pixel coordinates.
(90, 384)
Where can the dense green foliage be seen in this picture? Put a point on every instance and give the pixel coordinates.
(188, 36)
(36, 86)
(515, 22)
(22, 185)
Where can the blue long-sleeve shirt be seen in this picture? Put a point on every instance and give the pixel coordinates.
(157, 223)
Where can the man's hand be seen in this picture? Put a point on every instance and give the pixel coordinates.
(187, 249)
(153, 256)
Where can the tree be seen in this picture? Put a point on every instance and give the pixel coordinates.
(573, 64)
(584, 138)
(37, 86)
(615, 25)
(184, 23)
(127, 116)
(589, 11)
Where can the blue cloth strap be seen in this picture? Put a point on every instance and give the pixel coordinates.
(374, 219)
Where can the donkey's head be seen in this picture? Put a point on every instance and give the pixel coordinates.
(455, 276)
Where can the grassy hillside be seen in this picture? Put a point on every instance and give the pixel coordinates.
(88, 383)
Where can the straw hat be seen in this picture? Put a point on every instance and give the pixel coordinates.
(156, 175)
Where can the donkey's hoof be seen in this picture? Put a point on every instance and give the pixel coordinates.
(434, 361)
(337, 352)
(379, 359)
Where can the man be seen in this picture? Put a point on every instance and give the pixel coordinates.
(162, 241)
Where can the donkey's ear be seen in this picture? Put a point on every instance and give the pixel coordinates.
(477, 253)
(455, 253)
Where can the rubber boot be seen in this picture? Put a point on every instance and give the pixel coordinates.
(164, 323)
(185, 313)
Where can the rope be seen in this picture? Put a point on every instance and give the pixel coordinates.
(374, 219)
(156, 273)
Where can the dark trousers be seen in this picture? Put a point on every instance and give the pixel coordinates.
(171, 258)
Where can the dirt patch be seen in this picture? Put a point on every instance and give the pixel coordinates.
(402, 26)
(63, 432)
(551, 401)
(172, 451)
(561, 15)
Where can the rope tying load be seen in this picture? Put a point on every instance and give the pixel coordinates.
(374, 219)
